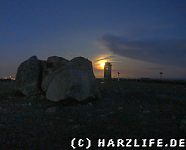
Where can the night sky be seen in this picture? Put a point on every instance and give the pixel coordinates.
(140, 37)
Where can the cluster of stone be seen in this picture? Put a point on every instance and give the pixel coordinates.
(57, 78)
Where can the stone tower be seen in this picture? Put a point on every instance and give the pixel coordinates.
(108, 71)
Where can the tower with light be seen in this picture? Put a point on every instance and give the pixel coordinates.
(108, 71)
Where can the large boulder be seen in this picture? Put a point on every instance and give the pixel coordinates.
(49, 67)
(28, 77)
(55, 62)
(75, 80)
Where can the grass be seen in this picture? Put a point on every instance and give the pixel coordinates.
(126, 109)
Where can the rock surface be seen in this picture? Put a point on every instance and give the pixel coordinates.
(55, 62)
(28, 77)
(52, 64)
(76, 80)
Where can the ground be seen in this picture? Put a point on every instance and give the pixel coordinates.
(126, 109)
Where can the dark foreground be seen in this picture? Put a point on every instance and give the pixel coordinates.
(127, 109)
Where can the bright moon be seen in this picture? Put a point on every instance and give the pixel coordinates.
(101, 64)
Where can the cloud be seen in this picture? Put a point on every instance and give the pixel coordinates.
(166, 52)
(105, 58)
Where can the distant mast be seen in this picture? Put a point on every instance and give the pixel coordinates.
(108, 71)
(161, 75)
(118, 75)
